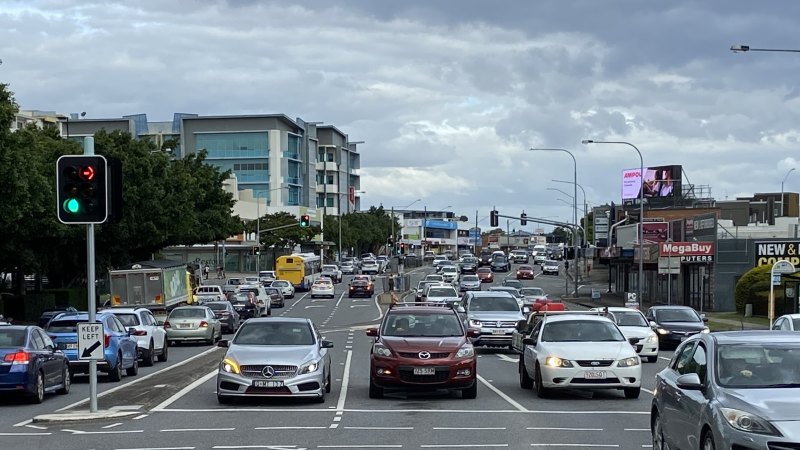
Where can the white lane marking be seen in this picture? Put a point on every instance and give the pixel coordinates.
(380, 311)
(665, 358)
(36, 427)
(141, 416)
(315, 306)
(463, 445)
(577, 445)
(361, 446)
(184, 391)
(402, 411)
(502, 395)
(158, 448)
(340, 300)
(378, 428)
(26, 434)
(469, 428)
(140, 379)
(345, 382)
(290, 428)
(113, 425)
(334, 425)
(273, 447)
(103, 432)
(23, 423)
(649, 391)
(178, 430)
(356, 306)
(563, 429)
(638, 429)
(507, 358)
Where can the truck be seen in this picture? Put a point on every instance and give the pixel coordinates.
(158, 285)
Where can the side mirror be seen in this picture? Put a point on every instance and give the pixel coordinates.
(634, 341)
(131, 331)
(705, 319)
(689, 381)
(223, 343)
(529, 341)
(653, 325)
(461, 310)
(326, 344)
(473, 333)
(526, 309)
(372, 332)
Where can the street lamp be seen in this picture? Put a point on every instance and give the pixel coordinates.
(258, 224)
(641, 211)
(339, 219)
(784, 181)
(741, 48)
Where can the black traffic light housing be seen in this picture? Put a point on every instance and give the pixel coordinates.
(494, 219)
(256, 250)
(522, 219)
(82, 189)
(305, 221)
(114, 189)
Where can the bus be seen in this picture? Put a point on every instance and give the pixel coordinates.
(300, 269)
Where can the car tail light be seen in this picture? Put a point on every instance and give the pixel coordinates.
(140, 333)
(108, 340)
(20, 357)
(203, 324)
(224, 313)
(166, 324)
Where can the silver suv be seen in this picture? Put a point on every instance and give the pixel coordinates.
(494, 313)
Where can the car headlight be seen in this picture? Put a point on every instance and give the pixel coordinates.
(750, 423)
(381, 350)
(652, 338)
(628, 362)
(662, 331)
(555, 361)
(466, 351)
(474, 323)
(230, 365)
(706, 330)
(309, 367)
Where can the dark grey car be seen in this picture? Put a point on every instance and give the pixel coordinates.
(227, 315)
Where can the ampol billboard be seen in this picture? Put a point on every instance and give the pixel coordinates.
(657, 182)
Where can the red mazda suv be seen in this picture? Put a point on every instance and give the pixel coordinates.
(422, 346)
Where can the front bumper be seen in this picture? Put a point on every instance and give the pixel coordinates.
(401, 374)
(675, 338)
(195, 334)
(471, 287)
(236, 385)
(733, 438)
(494, 336)
(576, 377)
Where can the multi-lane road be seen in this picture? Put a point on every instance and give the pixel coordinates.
(176, 407)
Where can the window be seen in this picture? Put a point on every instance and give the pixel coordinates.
(38, 343)
(330, 180)
(233, 145)
(682, 357)
(320, 155)
(329, 202)
(46, 339)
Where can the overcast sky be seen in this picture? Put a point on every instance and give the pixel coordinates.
(449, 94)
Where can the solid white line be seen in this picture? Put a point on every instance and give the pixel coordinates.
(378, 428)
(314, 306)
(142, 416)
(502, 395)
(345, 382)
(184, 391)
(469, 428)
(577, 445)
(140, 379)
(176, 430)
(23, 423)
(158, 448)
(113, 425)
(665, 358)
(563, 429)
(340, 300)
(273, 447)
(360, 446)
(25, 434)
(507, 358)
(36, 427)
(638, 429)
(462, 445)
(357, 306)
(103, 432)
(402, 411)
(290, 428)
(380, 311)
(649, 391)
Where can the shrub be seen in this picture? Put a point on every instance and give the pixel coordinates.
(753, 288)
(75, 297)
(35, 303)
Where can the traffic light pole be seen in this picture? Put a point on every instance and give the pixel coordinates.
(88, 149)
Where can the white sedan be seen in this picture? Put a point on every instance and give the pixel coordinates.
(322, 288)
(286, 287)
(633, 324)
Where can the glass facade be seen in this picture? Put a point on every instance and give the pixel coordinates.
(295, 193)
(294, 148)
(294, 174)
(234, 145)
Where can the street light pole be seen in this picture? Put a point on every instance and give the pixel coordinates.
(574, 201)
(640, 283)
(741, 48)
(782, 182)
(258, 226)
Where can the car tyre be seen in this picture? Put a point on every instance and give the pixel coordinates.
(541, 391)
(525, 380)
(471, 392)
(164, 352)
(658, 433)
(632, 393)
(708, 441)
(375, 391)
(115, 374)
(37, 396)
(149, 357)
(328, 385)
(67, 382)
(133, 370)
(269, 312)
(224, 400)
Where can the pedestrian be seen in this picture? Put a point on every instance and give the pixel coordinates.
(391, 283)
(205, 271)
(222, 271)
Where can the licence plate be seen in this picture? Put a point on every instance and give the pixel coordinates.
(498, 331)
(267, 384)
(71, 346)
(424, 371)
(184, 325)
(595, 374)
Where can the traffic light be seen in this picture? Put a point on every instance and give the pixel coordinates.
(391, 241)
(82, 189)
(522, 218)
(402, 248)
(256, 250)
(494, 220)
(305, 221)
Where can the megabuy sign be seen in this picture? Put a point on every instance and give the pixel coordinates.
(768, 253)
(686, 249)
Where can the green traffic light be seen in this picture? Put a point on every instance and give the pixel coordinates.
(72, 205)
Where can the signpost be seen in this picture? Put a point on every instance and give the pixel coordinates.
(631, 300)
(779, 268)
(91, 341)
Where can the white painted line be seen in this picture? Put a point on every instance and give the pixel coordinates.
(113, 425)
(36, 427)
(638, 429)
(314, 306)
(339, 413)
(23, 423)
(26, 434)
(273, 447)
(159, 448)
(339, 301)
(380, 312)
(345, 382)
(378, 428)
(402, 411)
(507, 358)
(140, 379)
(184, 391)
(141, 416)
(563, 429)
(463, 445)
(103, 432)
(290, 428)
(649, 392)
(337, 419)
(348, 346)
(357, 306)
(469, 428)
(577, 445)
(502, 395)
(177, 430)
(334, 425)
(665, 358)
(362, 446)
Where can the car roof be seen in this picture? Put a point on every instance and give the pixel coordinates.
(423, 310)
(573, 317)
(482, 294)
(657, 307)
(125, 310)
(189, 307)
(18, 327)
(760, 336)
(792, 316)
(297, 320)
(619, 309)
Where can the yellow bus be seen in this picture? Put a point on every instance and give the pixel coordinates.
(300, 269)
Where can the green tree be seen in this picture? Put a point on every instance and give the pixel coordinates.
(753, 288)
(284, 237)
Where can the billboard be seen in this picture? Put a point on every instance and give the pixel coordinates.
(659, 182)
(655, 232)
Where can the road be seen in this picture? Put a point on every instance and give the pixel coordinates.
(178, 407)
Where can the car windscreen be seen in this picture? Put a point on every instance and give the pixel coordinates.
(329, 267)
(187, 313)
(129, 320)
(499, 303)
(758, 365)
(422, 325)
(217, 306)
(677, 315)
(272, 291)
(274, 333)
(442, 292)
(550, 263)
(63, 326)
(240, 298)
(498, 258)
(434, 277)
(796, 323)
(581, 331)
(629, 319)
(533, 292)
(12, 338)
(449, 269)
(280, 283)
(470, 278)
(510, 290)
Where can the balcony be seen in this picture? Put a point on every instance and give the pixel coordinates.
(327, 188)
(292, 155)
(294, 180)
(327, 166)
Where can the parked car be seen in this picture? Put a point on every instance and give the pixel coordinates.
(193, 324)
(422, 348)
(494, 314)
(788, 322)
(731, 390)
(31, 364)
(227, 315)
(275, 357)
(285, 287)
(675, 324)
(151, 338)
(120, 352)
